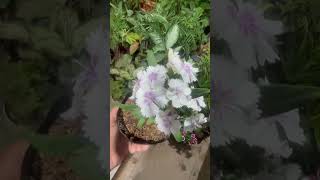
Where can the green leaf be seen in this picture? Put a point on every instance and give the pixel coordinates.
(55, 145)
(83, 31)
(150, 120)
(128, 107)
(156, 39)
(132, 37)
(49, 41)
(85, 164)
(178, 136)
(141, 123)
(280, 98)
(13, 31)
(152, 61)
(124, 61)
(172, 36)
(31, 9)
(197, 92)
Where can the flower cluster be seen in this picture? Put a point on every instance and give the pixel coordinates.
(189, 138)
(160, 96)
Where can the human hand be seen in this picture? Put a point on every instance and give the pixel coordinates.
(120, 146)
(11, 159)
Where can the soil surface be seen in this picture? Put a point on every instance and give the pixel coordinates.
(149, 132)
(56, 167)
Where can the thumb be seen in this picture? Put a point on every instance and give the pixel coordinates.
(134, 148)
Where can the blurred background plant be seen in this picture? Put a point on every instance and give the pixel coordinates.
(38, 42)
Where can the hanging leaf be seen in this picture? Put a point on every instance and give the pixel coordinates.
(13, 31)
(150, 121)
(172, 36)
(85, 164)
(152, 61)
(55, 145)
(280, 98)
(178, 136)
(197, 92)
(141, 123)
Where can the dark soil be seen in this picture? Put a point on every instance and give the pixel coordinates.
(56, 167)
(148, 134)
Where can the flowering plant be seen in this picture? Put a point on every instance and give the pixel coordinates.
(166, 94)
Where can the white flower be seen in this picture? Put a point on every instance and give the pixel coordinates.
(154, 77)
(246, 31)
(179, 93)
(182, 67)
(188, 72)
(194, 122)
(174, 61)
(167, 121)
(197, 103)
(137, 83)
(150, 101)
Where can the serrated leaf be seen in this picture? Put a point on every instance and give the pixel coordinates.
(151, 59)
(156, 38)
(197, 92)
(13, 31)
(172, 36)
(132, 37)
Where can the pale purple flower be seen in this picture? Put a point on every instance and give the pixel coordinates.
(247, 32)
(193, 122)
(150, 101)
(182, 67)
(197, 103)
(179, 93)
(154, 77)
(167, 122)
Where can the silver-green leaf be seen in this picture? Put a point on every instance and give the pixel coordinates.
(172, 36)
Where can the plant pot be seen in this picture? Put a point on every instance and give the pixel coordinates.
(30, 169)
(128, 126)
(148, 134)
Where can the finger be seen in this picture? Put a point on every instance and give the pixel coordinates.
(133, 148)
(113, 115)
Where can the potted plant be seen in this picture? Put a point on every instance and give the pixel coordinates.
(166, 101)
